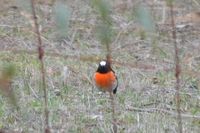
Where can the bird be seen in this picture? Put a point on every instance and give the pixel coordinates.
(105, 78)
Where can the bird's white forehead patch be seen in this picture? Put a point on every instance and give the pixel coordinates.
(102, 63)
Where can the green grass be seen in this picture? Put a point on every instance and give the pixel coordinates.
(77, 106)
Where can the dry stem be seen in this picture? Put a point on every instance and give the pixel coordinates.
(177, 71)
(41, 55)
(114, 120)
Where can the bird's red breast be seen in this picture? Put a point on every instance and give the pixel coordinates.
(105, 81)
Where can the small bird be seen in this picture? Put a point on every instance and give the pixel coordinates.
(105, 78)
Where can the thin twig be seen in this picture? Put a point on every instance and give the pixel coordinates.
(41, 55)
(177, 70)
(114, 120)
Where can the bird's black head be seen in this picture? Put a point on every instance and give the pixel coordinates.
(104, 67)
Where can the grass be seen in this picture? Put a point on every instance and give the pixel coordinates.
(78, 106)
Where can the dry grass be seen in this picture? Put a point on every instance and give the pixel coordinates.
(145, 102)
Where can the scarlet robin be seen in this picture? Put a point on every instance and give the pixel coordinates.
(105, 77)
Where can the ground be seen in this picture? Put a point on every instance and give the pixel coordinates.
(143, 61)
